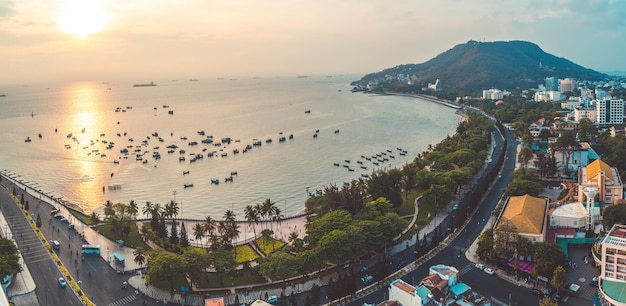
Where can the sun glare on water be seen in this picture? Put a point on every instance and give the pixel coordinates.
(82, 18)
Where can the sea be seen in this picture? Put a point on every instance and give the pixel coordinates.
(67, 140)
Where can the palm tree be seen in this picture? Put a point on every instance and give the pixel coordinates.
(252, 216)
(132, 209)
(147, 209)
(293, 239)
(109, 211)
(140, 256)
(267, 209)
(209, 227)
(171, 211)
(198, 232)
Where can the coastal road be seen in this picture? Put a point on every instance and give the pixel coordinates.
(452, 254)
(43, 269)
(97, 279)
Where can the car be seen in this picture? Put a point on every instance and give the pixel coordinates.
(479, 266)
(594, 282)
(124, 285)
(64, 220)
(58, 215)
(490, 271)
(557, 297)
(367, 279)
(71, 226)
(272, 299)
(548, 292)
(536, 291)
(62, 282)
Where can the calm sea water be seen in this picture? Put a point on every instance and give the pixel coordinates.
(77, 167)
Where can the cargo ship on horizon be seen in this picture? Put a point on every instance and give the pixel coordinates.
(145, 85)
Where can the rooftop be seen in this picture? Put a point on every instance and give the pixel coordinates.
(400, 284)
(525, 213)
(617, 236)
(614, 289)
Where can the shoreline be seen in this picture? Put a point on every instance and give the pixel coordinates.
(428, 98)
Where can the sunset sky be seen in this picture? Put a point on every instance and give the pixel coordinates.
(142, 40)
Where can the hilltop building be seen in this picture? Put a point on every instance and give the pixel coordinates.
(552, 84)
(435, 86)
(495, 94)
(612, 282)
(567, 84)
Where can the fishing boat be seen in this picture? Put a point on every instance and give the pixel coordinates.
(188, 185)
(145, 84)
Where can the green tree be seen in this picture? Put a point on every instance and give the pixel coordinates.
(9, 258)
(614, 214)
(165, 265)
(525, 155)
(133, 209)
(547, 257)
(198, 232)
(547, 302)
(558, 278)
(197, 261)
(567, 144)
(485, 248)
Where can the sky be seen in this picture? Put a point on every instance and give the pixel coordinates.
(87, 40)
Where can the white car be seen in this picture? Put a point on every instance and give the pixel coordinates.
(479, 266)
(490, 271)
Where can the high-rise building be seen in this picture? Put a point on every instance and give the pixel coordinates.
(552, 84)
(609, 111)
(612, 282)
(568, 84)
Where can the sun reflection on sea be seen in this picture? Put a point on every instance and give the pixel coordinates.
(84, 101)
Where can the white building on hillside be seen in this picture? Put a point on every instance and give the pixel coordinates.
(494, 94)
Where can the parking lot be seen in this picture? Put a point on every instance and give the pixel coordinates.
(580, 274)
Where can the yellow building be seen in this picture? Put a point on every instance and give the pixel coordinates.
(600, 175)
(524, 215)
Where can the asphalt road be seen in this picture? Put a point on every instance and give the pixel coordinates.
(97, 279)
(452, 254)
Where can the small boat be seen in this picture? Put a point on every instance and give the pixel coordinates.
(40, 136)
(181, 159)
(350, 169)
(359, 162)
(402, 154)
(228, 179)
(116, 161)
(224, 154)
(315, 135)
(27, 139)
(215, 181)
(365, 175)
(336, 164)
(347, 161)
(282, 139)
(269, 140)
(170, 112)
(233, 173)
(235, 151)
(186, 172)
(69, 135)
(363, 167)
(308, 111)
(290, 136)
(188, 185)
(337, 131)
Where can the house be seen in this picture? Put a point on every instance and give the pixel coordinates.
(575, 158)
(600, 175)
(561, 125)
(525, 216)
(404, 293)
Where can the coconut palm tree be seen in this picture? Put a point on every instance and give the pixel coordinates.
(147, 209)
(132, 209)
(252, 216)
(198, 232)
(140, 256)
(209, 228)
(293, 239)
(109, 211)
(267, 210)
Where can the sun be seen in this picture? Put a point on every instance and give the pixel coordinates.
(82, 18)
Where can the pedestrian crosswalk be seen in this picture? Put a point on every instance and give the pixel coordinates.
(124, 301)
(466, 269)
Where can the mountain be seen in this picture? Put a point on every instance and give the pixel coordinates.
(475, 66)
